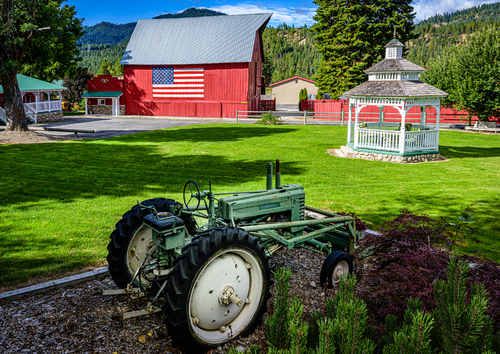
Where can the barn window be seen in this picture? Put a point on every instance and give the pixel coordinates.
(296, 81)
(101, 102)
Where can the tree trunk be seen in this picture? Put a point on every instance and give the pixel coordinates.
(13, 103)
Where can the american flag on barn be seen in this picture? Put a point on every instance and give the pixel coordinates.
(176, 83)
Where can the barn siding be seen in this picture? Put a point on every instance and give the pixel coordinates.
(226, 87)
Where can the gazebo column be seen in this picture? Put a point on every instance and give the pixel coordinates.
(402, 133)
(358, 108)
(381, 117)
(86, 108)
(349, 125)
(36, 100)
(48, 98)
(438, 116)
(60, 99)
(422, 116)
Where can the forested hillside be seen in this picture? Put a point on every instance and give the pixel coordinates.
(290, 51)
(108, 40)
(441, 31)
(106, 33)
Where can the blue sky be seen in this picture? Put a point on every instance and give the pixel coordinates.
(297, 12)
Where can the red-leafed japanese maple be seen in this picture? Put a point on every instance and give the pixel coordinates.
(407, 259)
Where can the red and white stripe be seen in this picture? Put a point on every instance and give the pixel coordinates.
(188, 84)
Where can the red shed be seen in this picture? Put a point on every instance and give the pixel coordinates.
(105, 96)
(195, 67)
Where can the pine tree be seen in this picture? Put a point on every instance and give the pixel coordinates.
(105, 68)
(117, 68)
(351, 34)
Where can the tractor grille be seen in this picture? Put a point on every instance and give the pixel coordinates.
(302, 203)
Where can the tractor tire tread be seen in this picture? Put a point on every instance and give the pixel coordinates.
(186, 267)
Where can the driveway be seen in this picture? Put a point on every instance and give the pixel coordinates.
(106, 127)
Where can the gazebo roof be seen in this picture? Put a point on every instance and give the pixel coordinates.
(395, 88)
(394, 65)
(395, 77)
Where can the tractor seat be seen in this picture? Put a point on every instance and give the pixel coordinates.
(165, 222)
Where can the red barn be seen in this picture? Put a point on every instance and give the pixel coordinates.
(194, 67)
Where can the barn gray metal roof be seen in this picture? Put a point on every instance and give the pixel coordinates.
(194, 40)
(396, 88)
(394, 65)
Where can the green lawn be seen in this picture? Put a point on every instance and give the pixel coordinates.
(60, 201)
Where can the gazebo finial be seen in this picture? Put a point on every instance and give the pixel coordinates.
(394, 32)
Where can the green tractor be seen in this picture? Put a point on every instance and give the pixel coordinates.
(212, 280)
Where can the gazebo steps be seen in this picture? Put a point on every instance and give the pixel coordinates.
(345, 152)
(339, 153)
(348, 152)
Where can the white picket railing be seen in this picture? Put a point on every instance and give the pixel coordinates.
(45, 106)
(30, 112)
(374, 139)
(388, 137)
(3, 116)
(421, 140)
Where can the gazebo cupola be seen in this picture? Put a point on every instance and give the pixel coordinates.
(394, 82)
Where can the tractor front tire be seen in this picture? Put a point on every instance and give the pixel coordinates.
(335, 265)
(131, 241)
(217, 290)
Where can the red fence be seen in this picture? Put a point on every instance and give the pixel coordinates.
(334, 108)
(268, 105)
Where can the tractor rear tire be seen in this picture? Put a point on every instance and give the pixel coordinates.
(129, 234)
(217, 290)
(335, 265)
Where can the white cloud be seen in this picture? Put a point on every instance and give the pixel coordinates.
(281, 14)
(427, 8)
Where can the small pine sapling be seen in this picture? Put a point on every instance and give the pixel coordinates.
(463, 326)
(349, 316)
(326, 337)
(415, 335)
(313, 332)
(277, 323)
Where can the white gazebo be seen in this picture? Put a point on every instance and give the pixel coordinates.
(394, 82)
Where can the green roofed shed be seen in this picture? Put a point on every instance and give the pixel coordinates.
(102, 94)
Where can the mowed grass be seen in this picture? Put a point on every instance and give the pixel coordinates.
(59, 202)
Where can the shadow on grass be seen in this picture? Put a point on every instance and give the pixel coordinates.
(130, 165)
(468, 151)
(196, 133)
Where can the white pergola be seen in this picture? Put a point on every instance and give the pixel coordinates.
(394, 82)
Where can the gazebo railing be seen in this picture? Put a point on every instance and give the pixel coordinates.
(421, 140)
(388, 138)
(375, 139)
(45, 106)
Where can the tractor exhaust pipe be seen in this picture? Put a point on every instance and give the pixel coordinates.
(269, 180)
(278, 174)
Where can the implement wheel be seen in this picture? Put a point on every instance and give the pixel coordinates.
(217, 290)
(335, 265)
(131, 241)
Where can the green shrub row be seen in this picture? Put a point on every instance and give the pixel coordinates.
(459, 325)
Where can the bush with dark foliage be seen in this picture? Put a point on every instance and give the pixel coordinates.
(407, 259)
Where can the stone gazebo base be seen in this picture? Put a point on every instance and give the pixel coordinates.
(347, 152)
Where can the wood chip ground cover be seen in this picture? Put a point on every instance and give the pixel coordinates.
(73, 320)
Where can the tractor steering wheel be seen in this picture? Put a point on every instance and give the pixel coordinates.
(192, 185)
